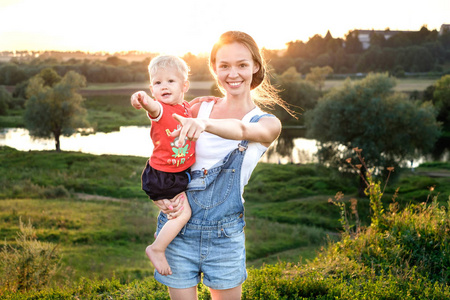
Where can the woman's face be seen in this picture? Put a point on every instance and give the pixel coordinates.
(235, 68)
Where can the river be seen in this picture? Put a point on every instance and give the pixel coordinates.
(135, 141)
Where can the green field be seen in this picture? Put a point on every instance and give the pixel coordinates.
(403, 85)
(92, 206)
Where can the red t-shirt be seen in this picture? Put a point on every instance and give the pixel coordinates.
(167, 156)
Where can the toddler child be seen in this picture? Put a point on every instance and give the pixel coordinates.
(166, 173)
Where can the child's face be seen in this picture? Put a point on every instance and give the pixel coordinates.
(168, 86)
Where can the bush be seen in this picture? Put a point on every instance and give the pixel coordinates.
(30, 264)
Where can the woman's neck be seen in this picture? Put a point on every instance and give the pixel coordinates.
(232, 107)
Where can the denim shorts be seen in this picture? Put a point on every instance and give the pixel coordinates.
(215, 250)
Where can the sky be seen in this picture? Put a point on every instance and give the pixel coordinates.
(180, 26)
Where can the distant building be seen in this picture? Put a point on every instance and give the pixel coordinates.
(444, 28)
(364, 35)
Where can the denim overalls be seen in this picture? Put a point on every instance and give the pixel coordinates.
(213, 241)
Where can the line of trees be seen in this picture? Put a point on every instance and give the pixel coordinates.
(415, 51)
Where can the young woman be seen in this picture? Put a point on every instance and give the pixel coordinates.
(231, 136)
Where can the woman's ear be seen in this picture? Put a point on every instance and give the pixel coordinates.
(255, 68)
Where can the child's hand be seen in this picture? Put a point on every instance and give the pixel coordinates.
(139, 99)
(204, 99)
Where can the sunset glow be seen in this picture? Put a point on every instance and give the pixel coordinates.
(180, 26)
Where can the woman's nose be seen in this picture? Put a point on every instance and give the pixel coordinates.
(233, 72)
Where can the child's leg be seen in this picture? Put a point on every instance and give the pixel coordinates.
(170, 230)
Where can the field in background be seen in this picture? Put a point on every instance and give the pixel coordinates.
(403, 84)
(203, 87)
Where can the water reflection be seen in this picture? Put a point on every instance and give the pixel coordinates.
(129, 140)
(291, 147)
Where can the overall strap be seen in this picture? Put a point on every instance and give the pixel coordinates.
(244, 143)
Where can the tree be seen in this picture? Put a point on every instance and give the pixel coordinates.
(52, 111)
(367, 114)
(5, 101)
(318, 75)
(352, 42)
(297, 92)
(441, 99)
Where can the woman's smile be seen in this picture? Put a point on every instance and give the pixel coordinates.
(235, 84)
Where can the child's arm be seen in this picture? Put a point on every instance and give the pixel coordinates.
(142, 100)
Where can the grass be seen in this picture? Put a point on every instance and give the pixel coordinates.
(284, 222)
(405, 256)
(107, 113)
(293, 246)
(97, 238)
(50, 200)
(403, 84)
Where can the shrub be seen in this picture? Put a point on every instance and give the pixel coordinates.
(30, 264)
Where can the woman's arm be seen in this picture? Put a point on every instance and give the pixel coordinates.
(265, 131)
(172, 207)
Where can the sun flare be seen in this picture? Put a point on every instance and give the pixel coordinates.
(181, 26)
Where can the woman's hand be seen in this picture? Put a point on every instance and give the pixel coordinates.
(190, 128)
(204, 99)
(173, 207)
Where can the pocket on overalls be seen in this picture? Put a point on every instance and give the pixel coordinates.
(235, 230)
(210, 191)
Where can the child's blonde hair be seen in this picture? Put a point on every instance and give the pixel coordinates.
(168, 61)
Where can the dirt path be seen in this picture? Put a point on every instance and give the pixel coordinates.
(435, 174)
(97, 197)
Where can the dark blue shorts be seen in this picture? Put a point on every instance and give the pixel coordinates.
(163, 185)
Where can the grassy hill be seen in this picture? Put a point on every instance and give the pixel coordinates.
(92, 208)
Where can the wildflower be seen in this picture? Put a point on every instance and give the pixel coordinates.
(359, 166)
(390, 169)
(357, 150)
(353, 206)
(349, 160)
(339, 196)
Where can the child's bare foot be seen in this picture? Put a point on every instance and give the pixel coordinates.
(159, 261)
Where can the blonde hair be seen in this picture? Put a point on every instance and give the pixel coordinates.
(168, 61)
(264, 94)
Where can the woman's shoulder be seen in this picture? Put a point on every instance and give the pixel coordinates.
(258, 113)
(202, 109)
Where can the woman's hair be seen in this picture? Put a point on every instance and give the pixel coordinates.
(263, 93)
(168, 61)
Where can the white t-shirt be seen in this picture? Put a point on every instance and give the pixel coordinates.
(210, 148)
